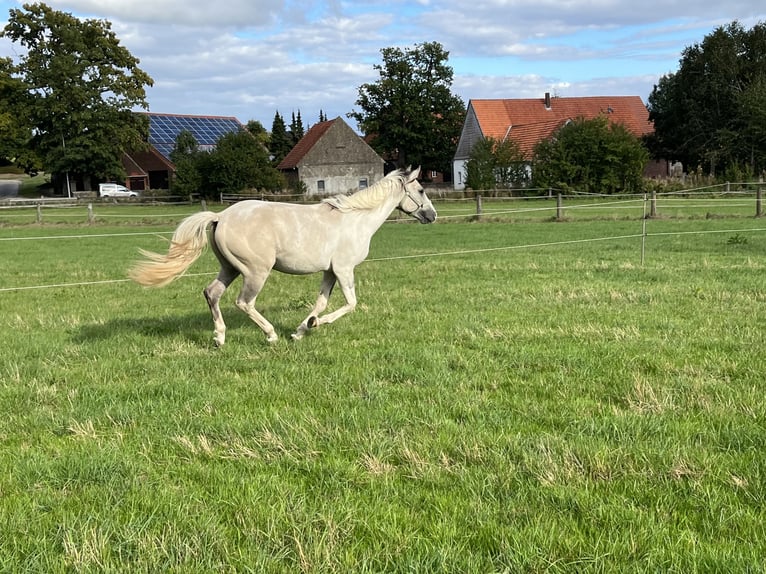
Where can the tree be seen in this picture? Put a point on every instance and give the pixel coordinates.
(258, 131)
(280, 142)
(15, 131)
(591, 155)
(708, 113)
(186, 158)
(495, 164)
(410, 111)
(238, 162)
(81, 86)
(480, 167)
(296, 128)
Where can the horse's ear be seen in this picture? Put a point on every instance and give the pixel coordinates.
(414, 174)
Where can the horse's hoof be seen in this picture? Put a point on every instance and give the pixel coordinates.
(312, 322)
(219, 340)
(297, 336)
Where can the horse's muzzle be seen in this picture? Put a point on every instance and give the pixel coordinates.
(426, 215)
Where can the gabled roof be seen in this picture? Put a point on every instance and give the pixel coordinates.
(164, 129)
(311, 137)
(528, 121)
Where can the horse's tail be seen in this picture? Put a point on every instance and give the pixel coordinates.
(186, 245)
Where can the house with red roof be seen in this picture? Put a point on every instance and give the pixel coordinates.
(529, 121)
(331, 158)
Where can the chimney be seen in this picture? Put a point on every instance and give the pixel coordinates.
(547, 100)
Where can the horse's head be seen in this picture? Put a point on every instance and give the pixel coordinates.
(415, 202)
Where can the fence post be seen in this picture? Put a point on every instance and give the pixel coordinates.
(91, 218)
(653, 204)
(478, 206)
(758, 204)
(643, 233)
(559, 207)
(204, 204)
(39, 213)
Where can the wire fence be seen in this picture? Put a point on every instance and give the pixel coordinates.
(645, 208)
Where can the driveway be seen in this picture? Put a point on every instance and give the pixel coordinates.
(9, 187)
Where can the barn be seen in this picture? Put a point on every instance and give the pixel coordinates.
(330, 159)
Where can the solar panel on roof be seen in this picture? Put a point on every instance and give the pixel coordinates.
(164, 129)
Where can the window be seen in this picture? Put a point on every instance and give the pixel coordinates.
(363, 183)
(434, 173)
(320, 186)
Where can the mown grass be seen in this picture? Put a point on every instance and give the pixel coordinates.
(559, 408)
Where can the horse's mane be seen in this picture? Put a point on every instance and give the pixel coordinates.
(370, 197)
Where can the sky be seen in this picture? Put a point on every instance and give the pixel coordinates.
(252, 58)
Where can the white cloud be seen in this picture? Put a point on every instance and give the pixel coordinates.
(250, 58)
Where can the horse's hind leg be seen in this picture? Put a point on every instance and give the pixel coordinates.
(328, 282)
(213, 293)
(251, 286)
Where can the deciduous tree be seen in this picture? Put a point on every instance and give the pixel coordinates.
(81, 87)
(708, 114)
(238, 162)
(591, 155)
(410, 112)
(186, 158)
(496, 164)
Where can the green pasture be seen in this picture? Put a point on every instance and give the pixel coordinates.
(510, 396)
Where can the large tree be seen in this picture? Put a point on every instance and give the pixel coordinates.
(593, 155)
(15, 131)
(410, 112)
(81, 86)
(708, 114)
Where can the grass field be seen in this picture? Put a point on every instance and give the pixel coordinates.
(508, 397)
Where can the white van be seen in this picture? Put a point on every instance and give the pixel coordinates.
(115, 190)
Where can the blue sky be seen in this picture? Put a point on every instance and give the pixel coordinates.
(250, 58)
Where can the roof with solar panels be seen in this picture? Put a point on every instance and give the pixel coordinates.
(164, 129)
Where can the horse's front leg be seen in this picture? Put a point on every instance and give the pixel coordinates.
(346, 282)
(328, 282)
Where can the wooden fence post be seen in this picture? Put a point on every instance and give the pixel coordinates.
(204, 205)
(39, 213)
(653, 204)
(559, 207)
(478, 206)
(758, 202)
(91, 217)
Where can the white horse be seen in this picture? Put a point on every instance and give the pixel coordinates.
(251, 238)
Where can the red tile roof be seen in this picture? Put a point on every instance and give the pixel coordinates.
(305, 144)
(528, 121)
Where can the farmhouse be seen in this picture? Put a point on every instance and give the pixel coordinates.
(152, 168)
(529, 121)
(330, 159)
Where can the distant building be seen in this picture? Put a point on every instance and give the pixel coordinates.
(330, 159)
(152, 168)
(529, 121)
